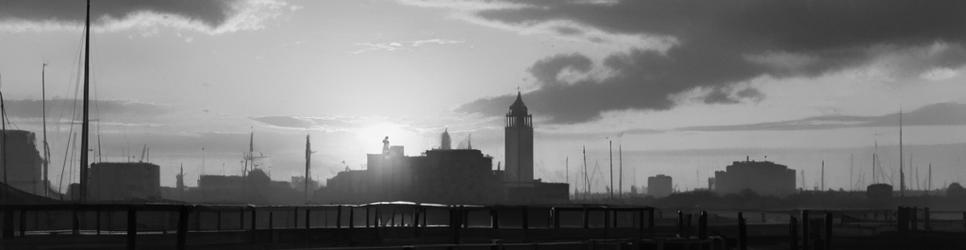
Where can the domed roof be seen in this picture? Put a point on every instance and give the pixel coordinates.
(518, 108)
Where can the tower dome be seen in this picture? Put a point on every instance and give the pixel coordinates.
(518, 107)
(445, 143)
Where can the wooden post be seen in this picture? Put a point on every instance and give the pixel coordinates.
(367, 216)
(183, 227)
(338, 217)
(805, 238)
(703, 225)
(218, 220)
(607, 221)
(241, 218)
(454, 223)
(902, 222)
(308, 218)
(742, 233)
(687, 223)
(132, 227)
(556, 218)
(271, 220)
(352, 217)
(295, 217)
(613, 218)
(23, 222)
(526, 218)
(8, 223)
(681, 222)
(650, 216)
(198, 221)
(97, 217)
(254, 223)
(587, 218)
(926, 217)
(792, 233)
(914, 216)
(640, 224)
(415, 224)
(829, 219)
(494, 219)
(75, 221)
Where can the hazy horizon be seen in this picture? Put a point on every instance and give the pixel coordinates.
(683, 87)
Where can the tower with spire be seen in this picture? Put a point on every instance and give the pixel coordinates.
(444, 141)
(519, 142)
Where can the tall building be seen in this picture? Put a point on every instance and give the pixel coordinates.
(519, 143)
(444, 141)
(125, 181)
(24, 166)
(452, 176)
(761, 177)
(659, 186)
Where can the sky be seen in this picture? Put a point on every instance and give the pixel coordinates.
(680, 87)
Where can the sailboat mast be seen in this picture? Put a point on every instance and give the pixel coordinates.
(43, 105)
(3, 136)
(85, 123)
(620, 171)
(308, 166)
(610, 153)
(902, 174)
(586, 179)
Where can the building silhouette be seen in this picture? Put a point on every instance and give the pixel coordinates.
(659, 186)
(450, 176)
(125, 181)
(445, 141)
(24, 166)
(519, 143)
(761, 177)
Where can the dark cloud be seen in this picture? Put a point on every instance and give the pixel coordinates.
(329, 123)
(63, 107)
(546, 71)
(720, 43)
(210, 12)
(939, 114)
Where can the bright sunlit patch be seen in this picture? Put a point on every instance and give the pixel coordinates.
(371, 136)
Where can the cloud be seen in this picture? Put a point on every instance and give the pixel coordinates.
(214, 16)
(403, 45)
(308, 122)
(61, 107)
(714, 45)
(939, 114)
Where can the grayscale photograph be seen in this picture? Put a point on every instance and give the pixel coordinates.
(483, 124)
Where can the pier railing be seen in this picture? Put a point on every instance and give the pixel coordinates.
(245, 223)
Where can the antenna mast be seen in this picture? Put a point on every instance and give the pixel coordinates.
(3, 127)
(902, 174)
(610, 153)
(586, 179)
(308, 166)
(43, 104)
(823, 175)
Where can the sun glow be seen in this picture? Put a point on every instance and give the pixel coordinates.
(371, 136)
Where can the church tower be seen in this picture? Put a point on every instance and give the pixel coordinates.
(519, 143)
(445, 143)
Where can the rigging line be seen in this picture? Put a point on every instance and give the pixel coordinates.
(60, 184)
(68, 153)
(71, 169)
(62, 112)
